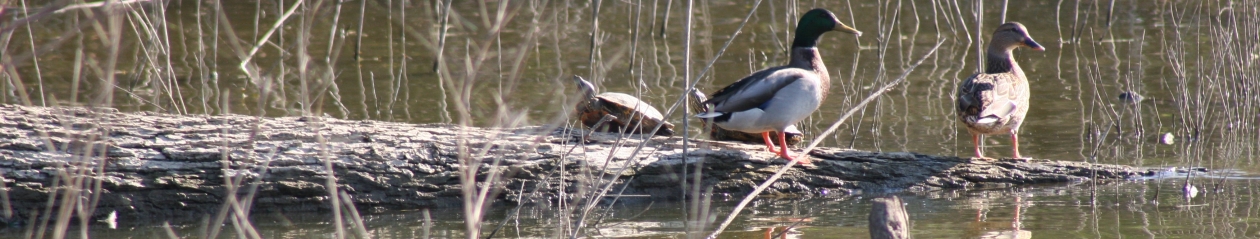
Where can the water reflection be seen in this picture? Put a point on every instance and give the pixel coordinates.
(1147, 208)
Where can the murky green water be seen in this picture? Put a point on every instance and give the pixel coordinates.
(1193, 62)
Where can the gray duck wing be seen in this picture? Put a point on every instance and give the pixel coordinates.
(754, 90)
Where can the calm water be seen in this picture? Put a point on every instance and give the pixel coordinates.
(1198, 88)
(1138, 209)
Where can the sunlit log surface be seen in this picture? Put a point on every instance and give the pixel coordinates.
(163, 166)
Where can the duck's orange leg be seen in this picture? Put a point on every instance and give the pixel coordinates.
(975, 141)
(1015, 144)
(784, 152)
(769, 146)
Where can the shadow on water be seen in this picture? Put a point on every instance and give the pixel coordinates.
(1152, 83)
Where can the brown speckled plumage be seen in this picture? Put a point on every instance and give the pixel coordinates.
(996, 101)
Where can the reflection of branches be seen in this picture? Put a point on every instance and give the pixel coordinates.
(29, 18)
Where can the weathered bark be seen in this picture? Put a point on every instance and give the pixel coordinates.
(162, 166)
(888, 219)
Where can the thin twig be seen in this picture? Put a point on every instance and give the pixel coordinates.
(446, 16)
(245, 61)
(690, 213)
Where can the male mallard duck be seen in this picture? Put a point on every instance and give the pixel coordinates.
(794, 136)
(995, 102)
(628, 111)
(776, 98)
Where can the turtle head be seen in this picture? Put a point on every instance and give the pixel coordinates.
(585, 87)
(586, 98)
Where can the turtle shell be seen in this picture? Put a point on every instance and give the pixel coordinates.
(629, 112)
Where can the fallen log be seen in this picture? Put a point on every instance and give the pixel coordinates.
(159, 166)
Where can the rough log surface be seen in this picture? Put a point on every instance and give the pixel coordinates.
(160, 166)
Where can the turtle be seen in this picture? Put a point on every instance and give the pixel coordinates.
(626, 111)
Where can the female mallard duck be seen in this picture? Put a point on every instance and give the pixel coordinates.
(995, 102)
(628, 111)
(776, 98)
